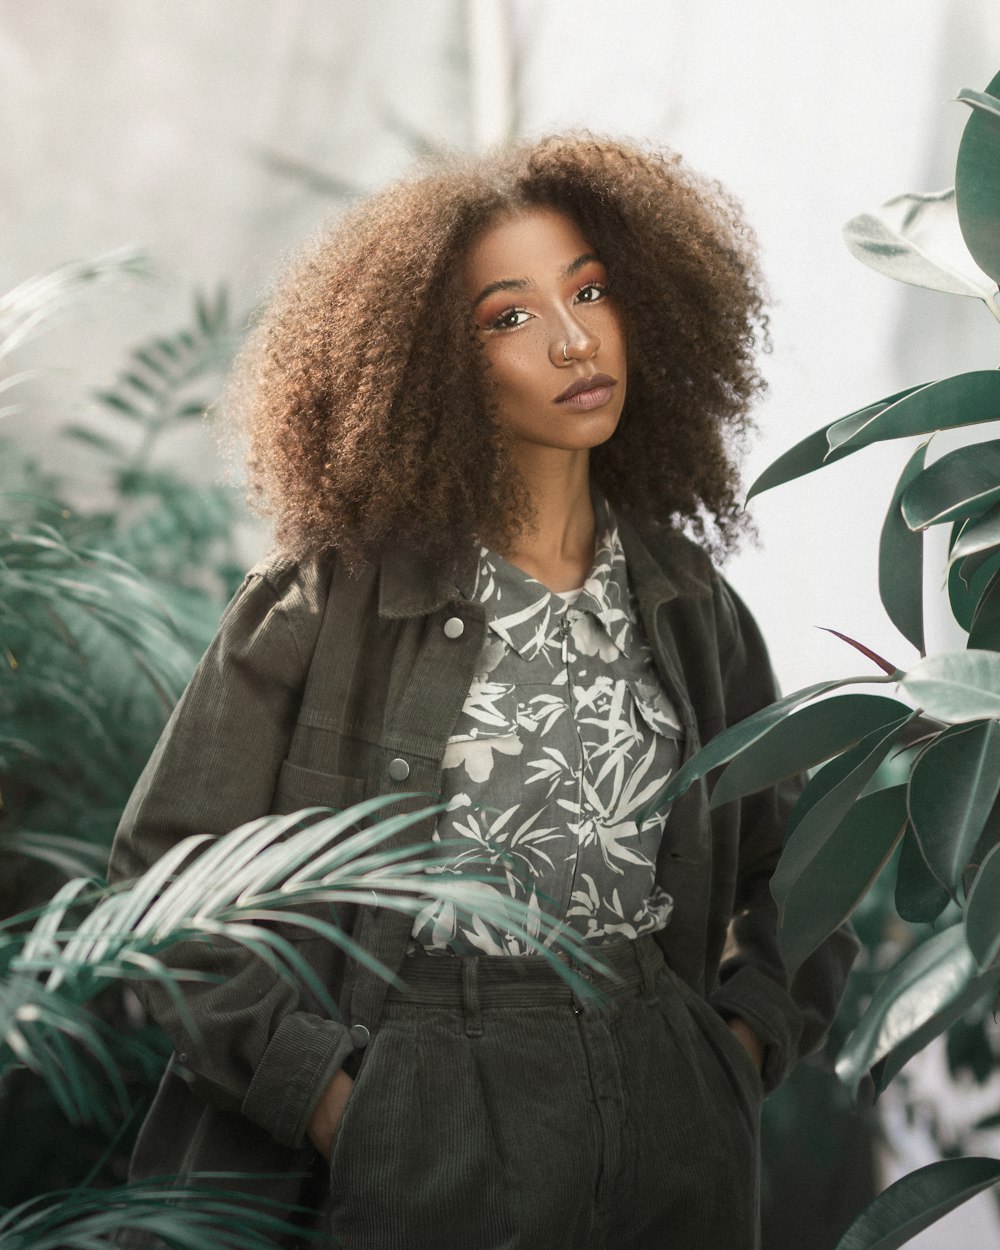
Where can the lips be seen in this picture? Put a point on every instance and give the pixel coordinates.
(597, 381)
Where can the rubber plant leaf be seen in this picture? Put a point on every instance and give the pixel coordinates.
(956, 686)
(953, 786)
(901, 562)
(965, 399)
(962, 483)
(977, 178)
(920, 898)
(966, 583)
(806, 738)
(985, 631)
(982, 913)
(832, 880)
(919, 998)
(917, 239)
(871, 751)
(917, 1201)
(981, 533)
(813, 452)
(724, 746)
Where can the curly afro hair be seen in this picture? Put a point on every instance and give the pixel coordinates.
(364, 394)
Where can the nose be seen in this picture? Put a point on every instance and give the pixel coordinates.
(578, 339)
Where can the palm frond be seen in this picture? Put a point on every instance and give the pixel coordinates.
(72, 856)
(28, 307)
(235, 889)
(154, 389)
(196, 1216)
(44, 576)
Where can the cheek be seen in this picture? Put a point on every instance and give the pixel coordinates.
(517, 369)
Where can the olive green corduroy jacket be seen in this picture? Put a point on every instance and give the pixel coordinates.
(316, 681)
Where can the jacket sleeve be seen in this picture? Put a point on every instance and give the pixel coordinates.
(253, 1047)
(791, 1017)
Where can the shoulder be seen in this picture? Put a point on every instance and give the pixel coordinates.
(705, 610)
(660, 550)
(281, 600)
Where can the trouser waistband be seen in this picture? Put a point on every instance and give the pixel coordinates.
(476, 982)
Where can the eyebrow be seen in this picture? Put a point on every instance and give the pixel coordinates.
(523, 284)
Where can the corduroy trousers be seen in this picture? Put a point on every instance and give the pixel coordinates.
(497, 1109)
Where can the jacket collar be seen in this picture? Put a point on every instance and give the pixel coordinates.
(410, 586)
(662, 565)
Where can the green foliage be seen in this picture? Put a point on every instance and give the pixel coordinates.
(937, 799)
(198, 1217)
(103, 612)
(916, 1201)
(252, 887)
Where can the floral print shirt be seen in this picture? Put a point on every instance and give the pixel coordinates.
(564, 737)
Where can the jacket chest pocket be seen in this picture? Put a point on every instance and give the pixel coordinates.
(300, 787)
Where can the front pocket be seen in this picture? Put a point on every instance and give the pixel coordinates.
(304, 787)
(655, 709)
(730, 1052)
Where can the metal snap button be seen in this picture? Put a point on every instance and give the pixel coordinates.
(454, 627)
(360, 1036)
(399, 770)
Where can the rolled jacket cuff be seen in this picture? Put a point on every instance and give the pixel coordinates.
(770, 1011)
(298, 1064)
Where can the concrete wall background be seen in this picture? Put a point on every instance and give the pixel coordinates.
(148, 122)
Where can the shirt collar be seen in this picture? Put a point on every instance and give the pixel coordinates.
(526, 614)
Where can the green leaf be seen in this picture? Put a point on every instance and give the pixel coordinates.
(953, 787)
(977, 179)
(724, 746)
(84, 434)
(919, 998)
(803, 740)
(831, 881)
(985, 632)
(917, 239)
(965, 399)
(901, 562)
(111, 399)
(966, 582)
(842, 770)
(920, 897)
(962, 483)
(981, 533)
(188, 1215)
(918, 1200)
(956, 686)
(982, 912)
(813, 452)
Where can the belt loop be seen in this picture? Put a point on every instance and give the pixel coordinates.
(650, 961)
(470, 996)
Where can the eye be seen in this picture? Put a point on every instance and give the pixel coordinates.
(510, 319)
(591, 293)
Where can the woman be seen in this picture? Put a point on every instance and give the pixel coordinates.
(482, 412)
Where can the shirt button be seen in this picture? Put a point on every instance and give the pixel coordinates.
(360, 1036)
(454, 627)
(399, 770)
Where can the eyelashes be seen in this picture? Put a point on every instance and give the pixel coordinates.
(506, 320)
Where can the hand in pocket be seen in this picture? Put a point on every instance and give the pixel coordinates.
(328, 1113)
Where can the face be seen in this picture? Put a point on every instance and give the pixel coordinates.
(552, 334)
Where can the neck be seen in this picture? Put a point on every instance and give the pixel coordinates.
(559, 549)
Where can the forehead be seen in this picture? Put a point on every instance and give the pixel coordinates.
(531, 243)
